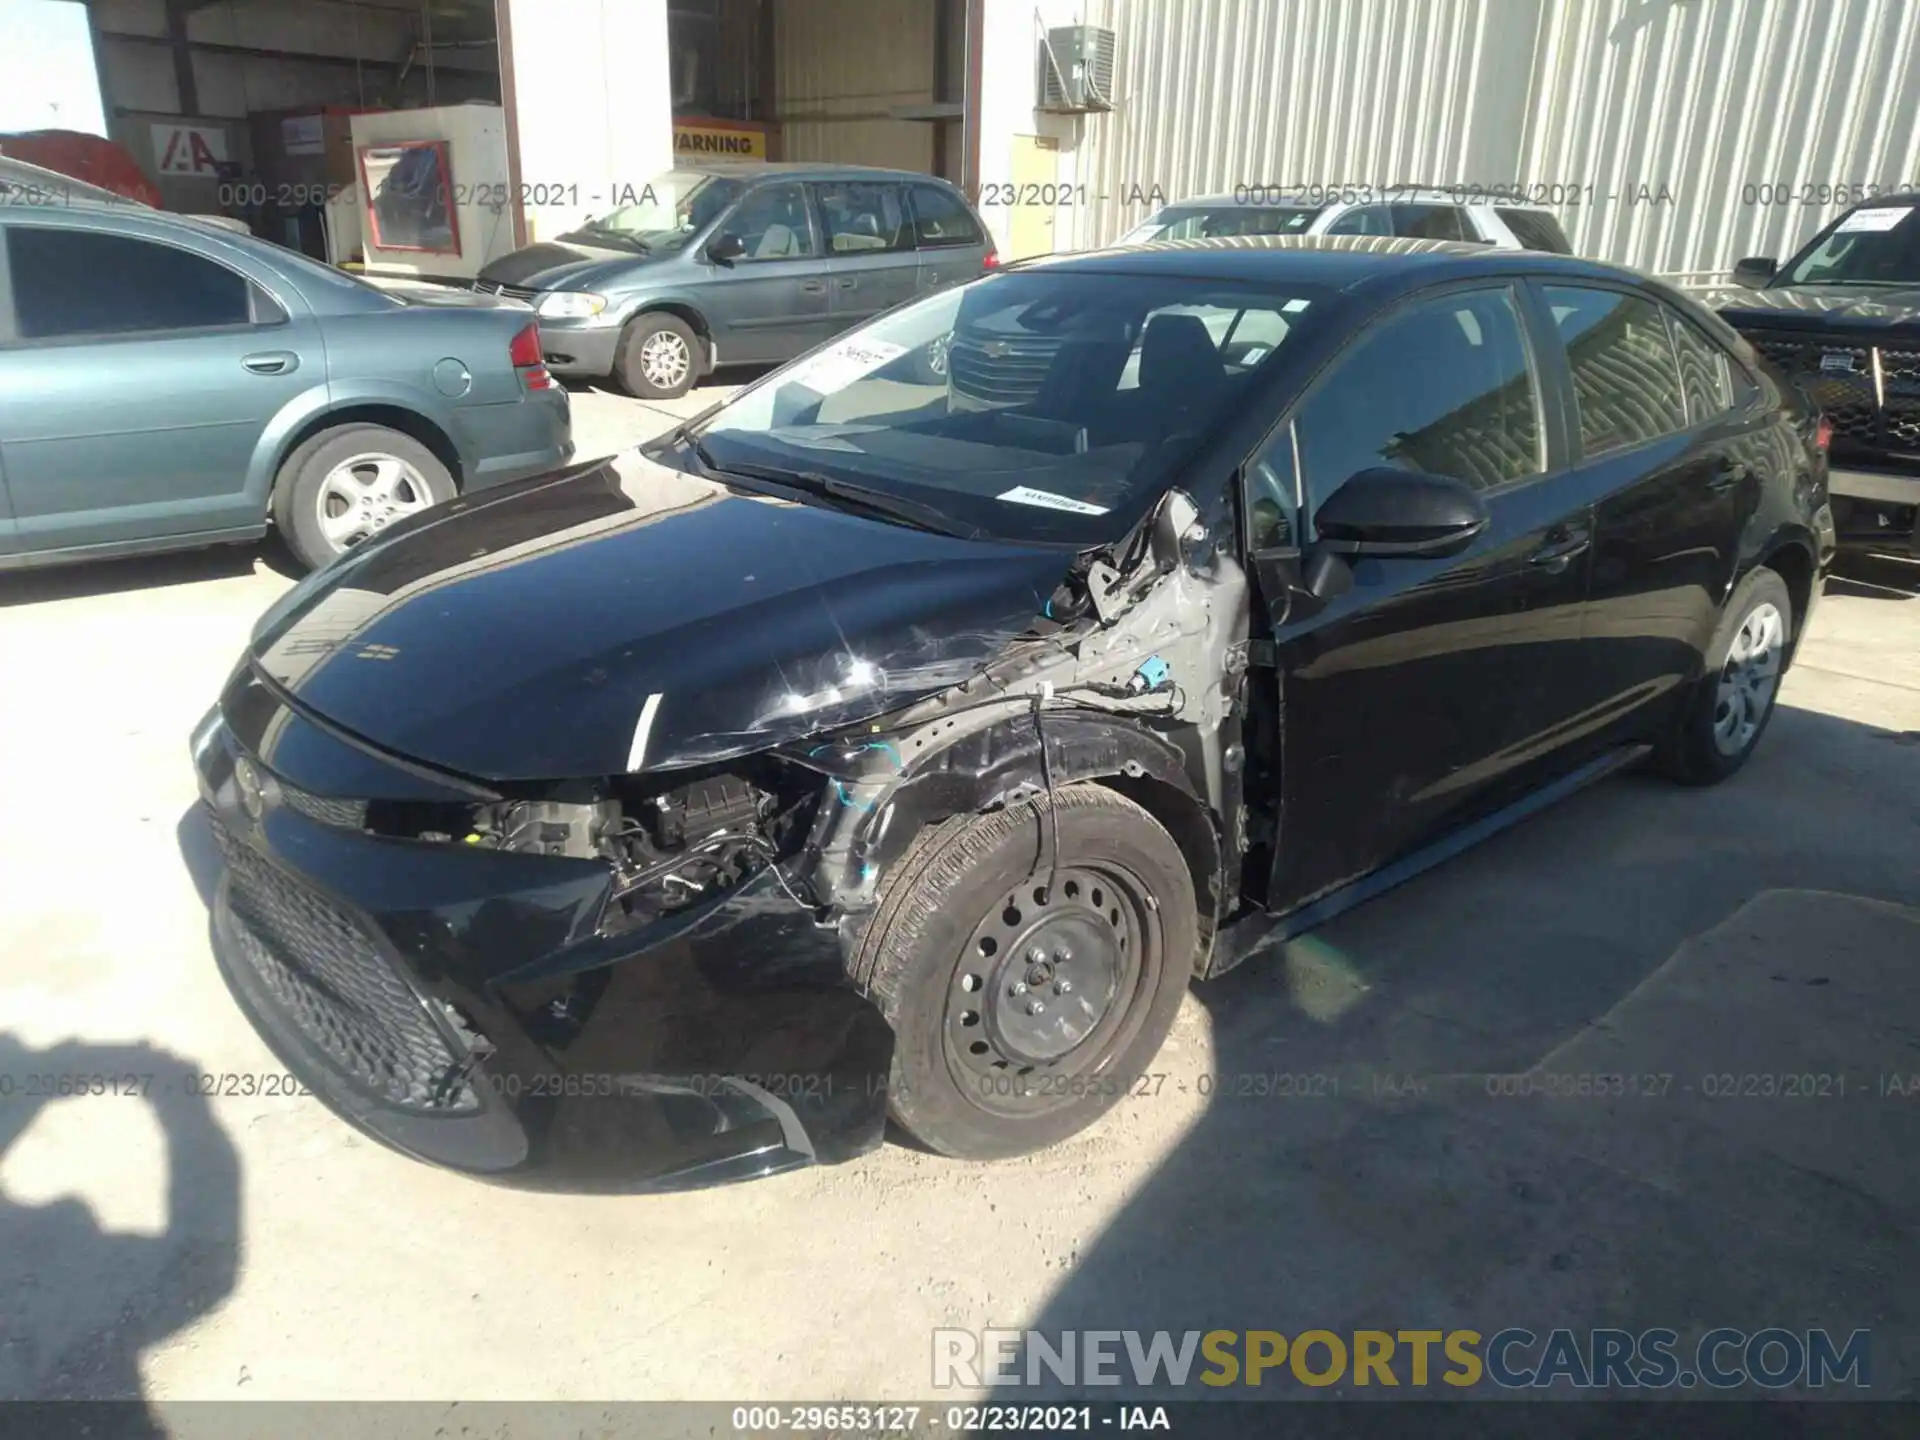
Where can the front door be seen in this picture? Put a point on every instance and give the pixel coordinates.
(138, 384)
(1674, 473)
(770, 302)
(1432, 688)
(871, 259)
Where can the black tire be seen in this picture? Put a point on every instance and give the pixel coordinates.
(941, 947)
(1715, 735)
(631, 366)
(303, 486)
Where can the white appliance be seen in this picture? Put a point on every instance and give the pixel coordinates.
(433, 194)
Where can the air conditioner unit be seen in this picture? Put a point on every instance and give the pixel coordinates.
(1076, 69)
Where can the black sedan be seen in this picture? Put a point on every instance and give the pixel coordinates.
(901, 737)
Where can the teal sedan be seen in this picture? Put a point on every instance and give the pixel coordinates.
(165, 383)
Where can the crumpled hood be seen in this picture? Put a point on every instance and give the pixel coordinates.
(627, 616)
(553, 265)
(1855, 308)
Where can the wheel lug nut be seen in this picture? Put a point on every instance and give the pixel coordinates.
(1034, 1007)
(1062, 955)
(1063, 988)
(1037, 956)
(1019, 988)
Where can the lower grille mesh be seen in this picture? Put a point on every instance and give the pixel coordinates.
(327, 978)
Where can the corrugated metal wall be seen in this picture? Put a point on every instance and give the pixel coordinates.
(840, 67)
(1664, 117)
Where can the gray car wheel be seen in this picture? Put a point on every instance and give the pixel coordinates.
(345, 486)
(659, 358)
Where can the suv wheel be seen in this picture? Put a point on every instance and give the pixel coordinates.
(344, 486)
(1022, 1013)
(659, 358)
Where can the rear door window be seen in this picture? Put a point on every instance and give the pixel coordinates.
(69, 283)
(1364, 220)
(1431, 222)
(1626, 375)
(863, 218)
(1706, 378)
(941, 219)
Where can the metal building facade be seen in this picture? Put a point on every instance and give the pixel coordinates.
(1675, 135)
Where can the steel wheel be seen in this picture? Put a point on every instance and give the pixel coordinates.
(665, 359)
(364, 494)
(1045, 993)
(1749, 679)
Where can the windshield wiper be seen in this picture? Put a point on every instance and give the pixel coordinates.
(864, 497)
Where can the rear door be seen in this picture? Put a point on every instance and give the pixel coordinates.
(952, 246)
(138, 383)
(872, 263)
(1431, 689)
(1672, 468)
(771, 302)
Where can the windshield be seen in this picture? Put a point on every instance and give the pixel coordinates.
(1031, 406)
(1190, 223)
(664, 214)
(1874, 245)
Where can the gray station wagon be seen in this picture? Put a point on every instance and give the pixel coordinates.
(738, 263)
(166, 384)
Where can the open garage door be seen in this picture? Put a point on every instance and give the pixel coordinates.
(856, 82)
(353, 130)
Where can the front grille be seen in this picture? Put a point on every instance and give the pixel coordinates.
(1839, 379)
(510, 292)
(347, 814)
(329, 979)
(1002, 372)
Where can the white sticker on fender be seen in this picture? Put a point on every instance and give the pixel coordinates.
(838, 366)
(1881, 217)
(1047, 500)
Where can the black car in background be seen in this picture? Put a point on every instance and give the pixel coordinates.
(871, 748)
(1841, 319)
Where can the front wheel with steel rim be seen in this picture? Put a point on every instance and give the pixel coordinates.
(659, 358)
(1734, 700)
(1023, 1010)
(344, 486)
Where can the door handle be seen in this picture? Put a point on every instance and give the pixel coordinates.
(1730, 474)
(848, 283)
(277, 362)
(1559, 551)
(813, 287)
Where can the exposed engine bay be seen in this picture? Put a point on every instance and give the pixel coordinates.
(1148, 638)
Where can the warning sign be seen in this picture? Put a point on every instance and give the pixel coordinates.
(189, 149)
(718, 140)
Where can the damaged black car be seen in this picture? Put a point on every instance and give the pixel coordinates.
(900, 738)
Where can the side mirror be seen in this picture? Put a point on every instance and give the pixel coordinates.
(725, 248)
(1386, 512)
(1756, 272)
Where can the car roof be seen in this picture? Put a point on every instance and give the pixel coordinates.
(1291, 197)
(800, 170)
(1339, 261)
(26, 175)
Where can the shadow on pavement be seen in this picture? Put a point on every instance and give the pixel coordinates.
(80, 1304)
(1875, 577)
(146, 572)
(1365, 1164)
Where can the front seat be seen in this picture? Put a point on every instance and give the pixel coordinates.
(776, 243)
(1182, 377)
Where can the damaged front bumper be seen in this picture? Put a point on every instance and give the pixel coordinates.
(465, 1006)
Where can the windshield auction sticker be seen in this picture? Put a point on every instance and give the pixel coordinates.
(838, 366)
(1880, 217)
(1047, 500)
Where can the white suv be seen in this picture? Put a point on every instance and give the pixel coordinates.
(1466, 213)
